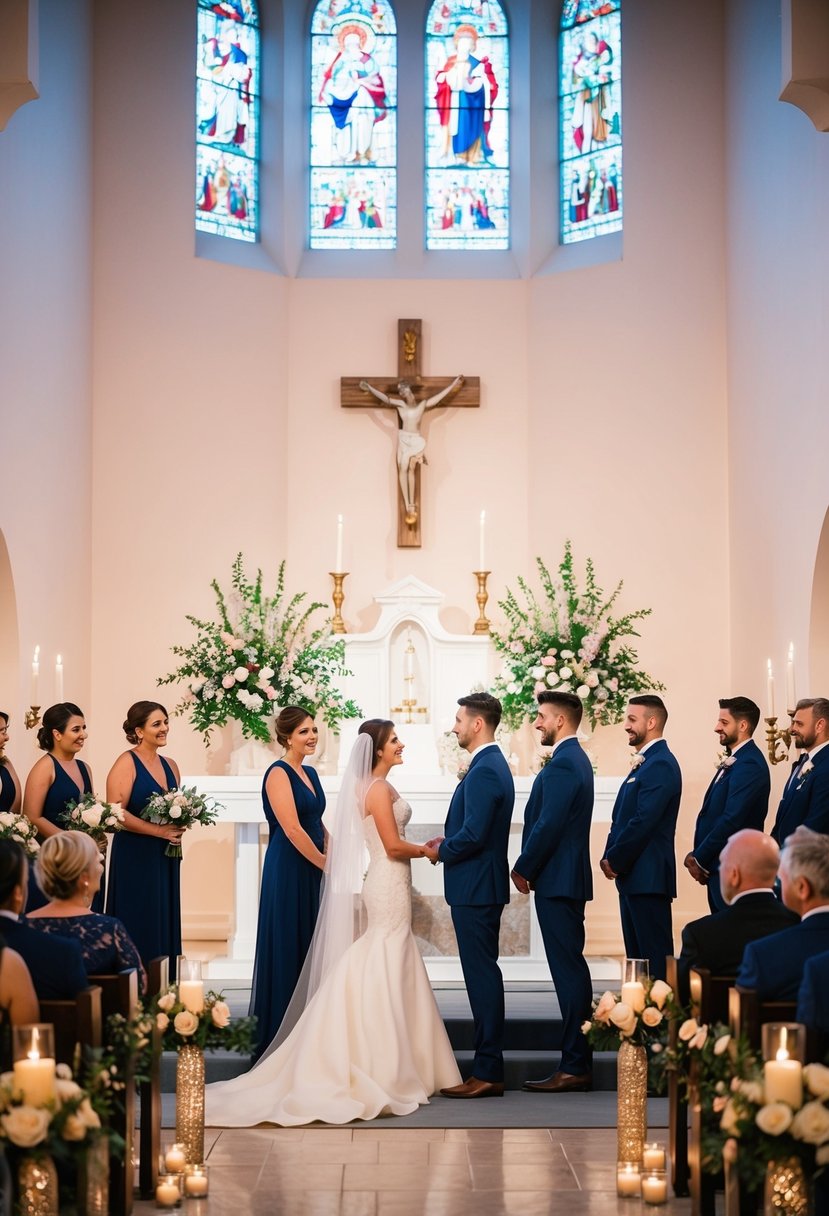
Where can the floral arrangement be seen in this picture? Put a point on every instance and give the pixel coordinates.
(180, 807)
(19, 827)
(613, 1021)
(259, 654)
(61, 1127)
(92, 815)
(568, 640)
(211, 1028)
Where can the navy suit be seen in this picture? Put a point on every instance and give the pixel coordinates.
(55, 963)
(640, 851)
(805, 800)
(737, 798)
(718, 941)
(555, 860)
(476, 883)
(774, 966)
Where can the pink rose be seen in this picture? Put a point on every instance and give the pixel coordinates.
(186, 1022)
(606, 1005)
(228, 681)
(651, 1017)
(220, 1013)
(623, 1018)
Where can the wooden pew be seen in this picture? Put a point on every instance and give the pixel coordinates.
(119, 994)
(747, 1013)
(709, 1004)
(677, 1100)
(77, 1023)
(149, 1091)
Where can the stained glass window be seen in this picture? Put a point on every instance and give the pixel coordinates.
(591, 118)
(227, 118)
(467, 125)
(353, 125)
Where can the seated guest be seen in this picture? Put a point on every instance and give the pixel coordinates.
(68, 870)
(18, 1000)
(55, 964)
(813, 1000)
(774, 966)
(748, 869)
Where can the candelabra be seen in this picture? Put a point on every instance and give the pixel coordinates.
(482, 624)
(778, 739)
(409, 704)
(32, 717)
(338, 596)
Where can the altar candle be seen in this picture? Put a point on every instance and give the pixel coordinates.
(338, 565)
(627, 1179)
(655, 1189)
(168, 1192)
(791, 699)
(653, 1157)
(175, 1159)
(191, 995)
(633, 995)
(481, 545)
(59, 679)
(35, 675)
(783, 1080)
(34, 1076)
(770, 688)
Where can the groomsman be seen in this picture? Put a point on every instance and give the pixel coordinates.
(476, 883)
(555, 864)
(737, 798)
(639, 853)
(806, 796)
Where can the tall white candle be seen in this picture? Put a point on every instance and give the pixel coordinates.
(35, 675)
(338, 565)
(59, 679)
(409, 657)
(770, 688)
(633, 995)
(191, 995)
(783, 1080)
(35, 1078)
(791, 697)
(481, 542)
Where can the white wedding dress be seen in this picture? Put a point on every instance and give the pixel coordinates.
(371, 1041)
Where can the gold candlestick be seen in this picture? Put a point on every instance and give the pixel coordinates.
(32, 717)
(338, 596)
(482, 624)
(778, 739)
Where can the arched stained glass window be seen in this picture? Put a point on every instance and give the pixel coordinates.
(467, 125)
(353, 125)
(590, 110)
(227, 119)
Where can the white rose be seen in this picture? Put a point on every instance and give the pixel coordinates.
(552, 678)
(585, 1026)
(167, 1001)
(623, 1018)
(537, 673)
(91, 815)
(74, 1128)
(811, 1123)
(659, 993)
(591, 680)
(565, 673)
(186, 1022)
(582, 691)
(652, 1017)
(688, 1029)
(567, 654)
(774, 1118)
(698, 1041)
(512, 687)
(265, 673)
(728, 1122)
(241, 674)
(220, 1013)
(6, 818)
(66, 1090)
(175, 812)
(606, 1005)
(26, 1126)
(162, 1021)
(752, 1091)
(721, 1044)
(61, 1070)
(816, 1077)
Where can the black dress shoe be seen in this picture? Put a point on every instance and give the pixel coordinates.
(561, 1083)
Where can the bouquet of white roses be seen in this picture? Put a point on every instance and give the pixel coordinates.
(181, 808)
(90, 814)
(20, 828)
(210, 1028)
(644, 1023)
(61, 1127)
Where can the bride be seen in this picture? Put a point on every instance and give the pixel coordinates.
(362, 1035)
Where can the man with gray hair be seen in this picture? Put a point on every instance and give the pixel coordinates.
(774, 966)
(806, 796)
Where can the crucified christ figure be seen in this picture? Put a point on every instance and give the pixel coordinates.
(411, 445)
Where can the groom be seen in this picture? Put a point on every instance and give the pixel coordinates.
(476, 882)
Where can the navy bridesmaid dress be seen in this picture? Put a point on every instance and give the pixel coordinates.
(144, 885)
(61, 791)
(288, 905)
(7, 789)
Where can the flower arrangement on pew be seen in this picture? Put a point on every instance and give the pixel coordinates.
(643, 1022)
(19, 827)
(93, 816)
(182, 807)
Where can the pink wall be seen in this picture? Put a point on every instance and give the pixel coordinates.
(45, 387)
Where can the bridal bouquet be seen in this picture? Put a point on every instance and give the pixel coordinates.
(181, 808)
(92, 815)
(566, 639)
(260, 653)
(20, 828)
(210, 1028)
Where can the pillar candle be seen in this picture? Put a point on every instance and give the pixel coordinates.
(791, 696)
(783, 1080)
(653, 1157)
(195, 1181)
(338, 565)
(59, 679)
(175, 1158)
(481, 545)
(633, 995)
(191, 995)
(35, 675)
(627, 1179)
(168, 1193)
(35, 1078)
(770, 687)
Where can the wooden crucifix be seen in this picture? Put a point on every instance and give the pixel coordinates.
(411, 395)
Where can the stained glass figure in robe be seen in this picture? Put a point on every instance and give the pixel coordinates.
(467, 125)
(227, 118)
(591, 126)
(353, 125)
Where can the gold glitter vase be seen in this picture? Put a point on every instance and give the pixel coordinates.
(37, 1186)
(190, 1102)
(93, 1179)
(787, 1189)
(632, 1102)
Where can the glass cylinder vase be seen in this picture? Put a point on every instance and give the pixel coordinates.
(632, 1102)
(190, 1102)
(37, 1186)
(787, 1190)
(93, 1179)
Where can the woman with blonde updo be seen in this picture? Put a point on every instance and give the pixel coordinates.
(293, 802)
(144, 889)
(69, 869)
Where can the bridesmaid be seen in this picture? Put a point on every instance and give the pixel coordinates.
(57, 778)
(9, 780)
(293, 802)
(144, 885)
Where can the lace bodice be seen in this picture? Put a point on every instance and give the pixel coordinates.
(387, 890)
